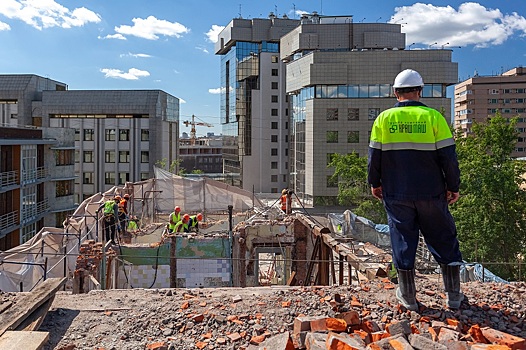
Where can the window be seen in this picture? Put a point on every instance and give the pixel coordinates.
(145, 135)
(109, 178)
(274, 72)
(373, 113)
(273, 165)
(145, 156)
(273, 138)
(123, 177)
(87, 178)
(65, 157)
(77, 156)
(274, 98)
(124, 135)
(274, 85)
(88, 157)
(89, 134)
(332, 182)
(274, 125)
(274, 112)
(77, 135)
(274, 59)
(332, 136)
(124, 156)
(145, 176)
(332, 113)
(494, 91)
(28, 232)
(109, 134)
(493, 100)
(274, 190)
(284, 177)
(273, 151)
(64, 188)
(286, 152)
(353, 114)
(353, 137)
(109, 156)
(273, 178)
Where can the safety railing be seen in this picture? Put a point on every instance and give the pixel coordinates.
(8, 178)
(33, 175)
(8, 220)
(32, 212)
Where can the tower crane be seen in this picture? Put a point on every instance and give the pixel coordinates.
(193, 123)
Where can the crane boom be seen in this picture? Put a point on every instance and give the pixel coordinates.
(193, 123)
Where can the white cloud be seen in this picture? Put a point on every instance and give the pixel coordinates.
(471, 24)
(135, 55)
(4, 26)
(113, 36)
(202, 48)
(218, 90)
(213, 33)
(47, 13)
(132, 74)
(151, 27)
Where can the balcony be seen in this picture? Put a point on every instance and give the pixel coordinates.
(33, 212)
(8, 179)
(34, 175)
(466, 121)
(8, 220)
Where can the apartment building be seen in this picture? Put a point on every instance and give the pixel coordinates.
(254, 104)
(36, 179)
(119, 135)
(339, 76)
(480, 97)
(202, 153)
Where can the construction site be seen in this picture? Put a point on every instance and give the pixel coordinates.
(252, 277)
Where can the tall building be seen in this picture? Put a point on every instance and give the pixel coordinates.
(254, 105)
(119, 134)
(36, 179)
(479, 97)
(339, 76)
(201, 153)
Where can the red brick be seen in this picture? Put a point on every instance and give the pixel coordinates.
(342, 341)
(234, 336)
(257, 339)
(489, 347)
(498, 337)
(278, 342)
(157, 346)
(476, 334)
(327, 324)
(400, 344)
(447, 335)
(315, 341)
(351, 317)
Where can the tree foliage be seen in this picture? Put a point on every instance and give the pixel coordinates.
(350, 170)
(490, 214)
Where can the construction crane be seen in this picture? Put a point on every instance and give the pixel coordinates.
(193, 123)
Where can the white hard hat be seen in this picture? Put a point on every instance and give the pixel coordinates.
(408, 78)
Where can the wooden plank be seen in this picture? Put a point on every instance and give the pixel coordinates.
(28, 303)
(16, 340)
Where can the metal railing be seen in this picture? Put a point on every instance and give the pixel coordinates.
(34, 174)
(31, 212)
(8, 220)
(8, 178)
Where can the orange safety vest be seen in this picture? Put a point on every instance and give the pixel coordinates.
(284, 202)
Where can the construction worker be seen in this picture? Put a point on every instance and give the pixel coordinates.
(133, 225)
(413, 169)
(123, 213)
(183, 224)
(174, 218)
(194, 222)
(110, 211)
(286, 201)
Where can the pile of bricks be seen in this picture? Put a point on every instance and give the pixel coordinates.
(88, 264)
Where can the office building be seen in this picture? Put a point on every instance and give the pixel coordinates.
(480, 97)
(119, 134)
(339, 76)
(202, 153)
(254, 106)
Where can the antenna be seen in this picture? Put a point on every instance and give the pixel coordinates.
(276, 9)
(294, 8)
(240, 11)
(321, 7)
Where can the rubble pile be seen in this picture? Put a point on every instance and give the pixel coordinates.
(88, 264)
(364, 316)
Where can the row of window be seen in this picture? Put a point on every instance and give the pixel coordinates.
(274, 178)
(506, 100)
(64, 188)
(352, 137)
(109, 156)
(111, 135)
(367, 91)
(88, 178)
(64, 157)
(507, 91)
(352, 113)
(506, 110)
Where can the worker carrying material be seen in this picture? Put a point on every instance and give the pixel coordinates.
(194, 222)
(182, 225)
(174, 218)
(413, 169)
(110, 211)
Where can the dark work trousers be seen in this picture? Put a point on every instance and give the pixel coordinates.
(122, 222)
(433, 219)
(109, 227)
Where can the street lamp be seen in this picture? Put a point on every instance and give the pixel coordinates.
(432, 45)
(398, 20)
(362, 20)
(442, 46)
(411, 45)
(379, 18)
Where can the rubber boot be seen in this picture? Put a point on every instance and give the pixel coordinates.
(406, 291)
(451, 278)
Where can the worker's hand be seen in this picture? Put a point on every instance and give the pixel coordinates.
(377, 192)
(452, 197)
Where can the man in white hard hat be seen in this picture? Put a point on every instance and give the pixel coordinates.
(413, 168)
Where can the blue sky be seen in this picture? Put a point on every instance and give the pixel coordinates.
(169, 44)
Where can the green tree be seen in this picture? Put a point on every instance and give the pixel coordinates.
(350, 171)
(197, 171)
(490, 212)
(172, 167)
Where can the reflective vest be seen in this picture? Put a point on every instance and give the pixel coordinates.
(132, 226)
(193, 221)
(122, 206)
(180, 227)
(108, 207)
(284, 202)
(174, 217)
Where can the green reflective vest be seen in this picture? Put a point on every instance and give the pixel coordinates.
(108, 207)
(174, 217)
